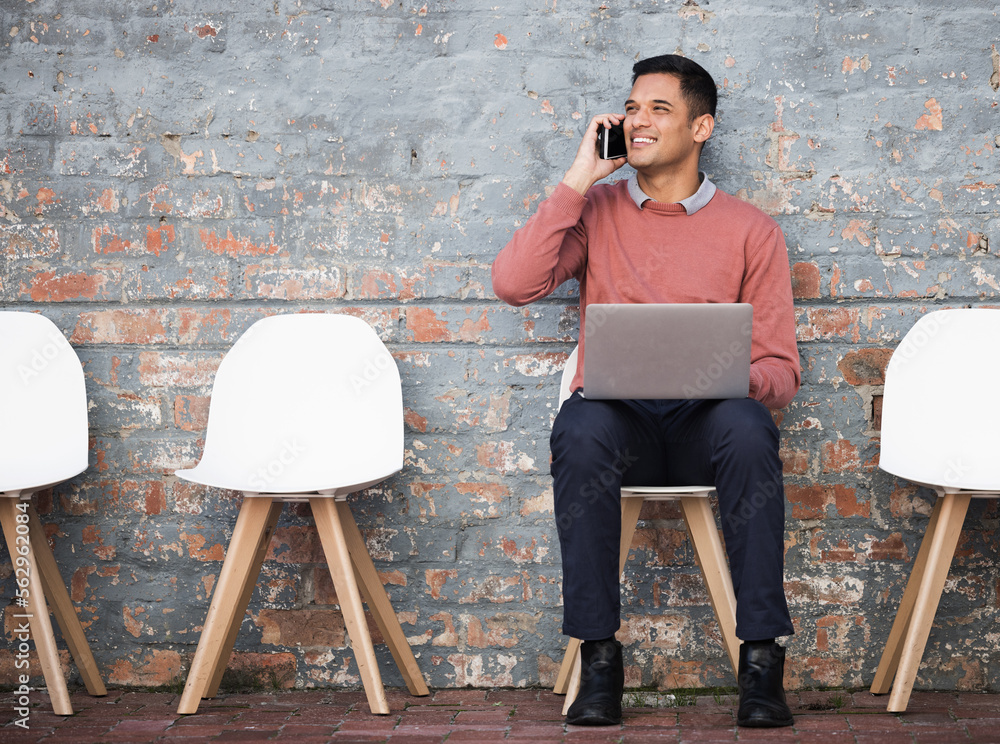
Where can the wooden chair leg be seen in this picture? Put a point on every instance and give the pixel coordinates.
(62, 607)
(249, 584)
(889, 662)
(568, 681)
(939, 558)
(631, 506)
(36, 612)
(714, 570)
(565, 678)
(338, 560)
(573, 685)
(378, 602)
(223, 612)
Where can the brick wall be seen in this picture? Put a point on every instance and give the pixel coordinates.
(172, 171)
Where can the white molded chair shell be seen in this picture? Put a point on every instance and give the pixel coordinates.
(44, 401)
(941, 403)
(569, 371)
(326, 411)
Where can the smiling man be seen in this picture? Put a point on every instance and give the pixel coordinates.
(665, 234)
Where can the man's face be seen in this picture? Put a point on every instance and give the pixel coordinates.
(659, 132)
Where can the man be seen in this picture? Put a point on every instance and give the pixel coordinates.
(666, 234)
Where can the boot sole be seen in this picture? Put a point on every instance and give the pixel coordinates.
(593, 721)
(764, 724)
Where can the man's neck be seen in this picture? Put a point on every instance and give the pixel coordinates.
(670, 187)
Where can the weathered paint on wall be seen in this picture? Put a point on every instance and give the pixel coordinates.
(172, 171)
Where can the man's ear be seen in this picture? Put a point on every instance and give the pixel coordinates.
(702, 127)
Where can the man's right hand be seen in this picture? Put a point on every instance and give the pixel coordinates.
(588, 168)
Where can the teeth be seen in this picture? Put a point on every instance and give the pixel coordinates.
(643, 140)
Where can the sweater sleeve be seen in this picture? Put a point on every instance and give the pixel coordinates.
(774, 358)
(548, 250)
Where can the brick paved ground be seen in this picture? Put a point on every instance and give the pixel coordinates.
(454, 716)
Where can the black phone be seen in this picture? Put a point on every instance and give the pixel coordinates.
(611, 142)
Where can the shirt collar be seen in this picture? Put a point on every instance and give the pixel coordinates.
(691, 205)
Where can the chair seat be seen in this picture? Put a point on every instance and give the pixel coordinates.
(667, 493)
(214, 480)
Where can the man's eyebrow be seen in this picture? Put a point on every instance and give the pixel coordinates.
(655, 100)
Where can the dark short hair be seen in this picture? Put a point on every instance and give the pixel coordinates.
(697, 86)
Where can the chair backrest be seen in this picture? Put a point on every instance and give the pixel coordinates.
(941, 403)
(43, 400)
(302, 403)
(569, 372)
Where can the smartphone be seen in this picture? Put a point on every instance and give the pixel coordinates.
(611, 142)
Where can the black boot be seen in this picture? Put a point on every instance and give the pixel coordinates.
(602, 680)
(762, 692)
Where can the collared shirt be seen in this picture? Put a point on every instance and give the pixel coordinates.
(692, 204)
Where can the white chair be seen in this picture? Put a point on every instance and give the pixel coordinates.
(704, 536)
(940, 414)
(305, 407)
(44, 442)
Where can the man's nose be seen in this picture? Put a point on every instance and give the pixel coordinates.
(640, 118)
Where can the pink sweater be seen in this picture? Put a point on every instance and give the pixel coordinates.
(727, 251)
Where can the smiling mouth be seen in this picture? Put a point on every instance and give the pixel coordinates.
(643, 140)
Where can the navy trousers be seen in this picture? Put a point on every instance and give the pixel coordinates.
(600, 445)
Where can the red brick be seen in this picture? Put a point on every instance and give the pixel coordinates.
(191, 412)
(425, 325)
(840, 456)
(106, 240)
(491, 495)
(177, 369)
(155, 667)
(436, 579)
(843, 553)
(308, 628)
(55, 286)
(296, 544)
(29, 241)
(891, 549)
(197, 326)
(235, 246)
(268, 669)
(294, 283)
(201, 549)
(122, 327)
(414, 420)
(795, 462)
(667, 547)
(826, 324)
(806, 281)
(865, 366)
(811, 502)
(155, 497)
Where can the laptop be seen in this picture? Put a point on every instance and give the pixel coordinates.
(653, 351)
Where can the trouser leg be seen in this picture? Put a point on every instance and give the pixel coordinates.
(733, 444)
(594, 444)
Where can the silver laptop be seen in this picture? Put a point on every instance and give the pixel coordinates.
(670, 351)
